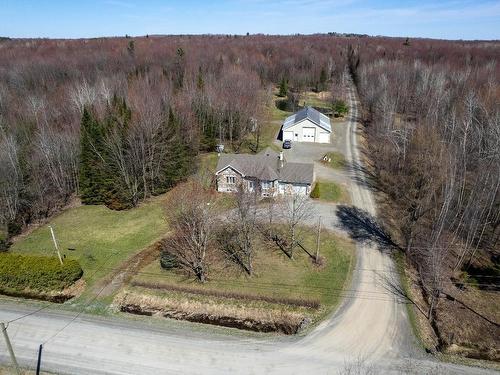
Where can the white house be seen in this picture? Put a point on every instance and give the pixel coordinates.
(307, 125)
(267, 173)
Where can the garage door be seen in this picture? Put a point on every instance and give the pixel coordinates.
(309, 134)
(288, 135)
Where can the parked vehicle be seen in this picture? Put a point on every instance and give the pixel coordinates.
(287, 144)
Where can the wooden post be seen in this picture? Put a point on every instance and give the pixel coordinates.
(9, 347)
(318, 239)
(55, 244)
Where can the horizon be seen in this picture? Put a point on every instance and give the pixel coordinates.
(448, 20)
(331, 33)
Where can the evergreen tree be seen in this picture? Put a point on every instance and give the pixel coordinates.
(115, 194)
(179, 68)
(322, 80)
(179, 159)
(91, 163)
(283, 88)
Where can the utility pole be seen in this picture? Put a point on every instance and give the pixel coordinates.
(317, 239)
(39, 362)
(11, 351)
(55, 244)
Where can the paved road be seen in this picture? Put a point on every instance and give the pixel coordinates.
(370, 327)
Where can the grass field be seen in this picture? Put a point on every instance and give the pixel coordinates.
(275, 277)
(101, 238)
(332, 192)
(337, 160)
(319, 100)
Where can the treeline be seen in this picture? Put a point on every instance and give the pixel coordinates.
(119, 119)
(149, 98)
(433, 131)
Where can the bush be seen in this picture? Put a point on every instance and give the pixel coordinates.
(14, 228)
(4, 240)
(39, 273)
(168, 260)
(315, 192)
(340, 108)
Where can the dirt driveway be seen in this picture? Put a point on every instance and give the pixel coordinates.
(307, 152)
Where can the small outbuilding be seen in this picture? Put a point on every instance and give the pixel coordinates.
(307, 125)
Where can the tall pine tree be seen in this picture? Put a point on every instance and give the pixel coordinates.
(116, 195)
(283, 88)
(91, 181)
(178, 161)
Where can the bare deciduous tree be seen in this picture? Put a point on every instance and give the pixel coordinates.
(296, 209)
(192, 222)
(237, 238)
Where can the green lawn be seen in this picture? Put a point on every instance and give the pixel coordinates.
(102, 238)
(332, 192)
(313, 99)
(337, 160)
(275, 276)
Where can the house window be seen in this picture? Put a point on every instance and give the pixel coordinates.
(251, 185)
(230, 179)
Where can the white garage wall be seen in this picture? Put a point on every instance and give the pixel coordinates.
(296, 132)
(323, 137)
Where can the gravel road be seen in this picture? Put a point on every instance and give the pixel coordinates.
(369, 331)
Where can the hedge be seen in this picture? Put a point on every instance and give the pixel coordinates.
(315, 194)
(38, 273)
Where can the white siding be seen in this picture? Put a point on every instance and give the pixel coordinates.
(306, 131)
(324, 137)
(288, 135)
(294, 188)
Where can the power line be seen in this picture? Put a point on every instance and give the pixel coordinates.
(28, 314)
(85, 306)
(75, 317)
(443, 279)
(49, 305)
(266, 285)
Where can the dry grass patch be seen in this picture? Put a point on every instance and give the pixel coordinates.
(277, 284)
(211, 312)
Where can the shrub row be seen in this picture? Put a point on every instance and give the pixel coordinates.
(38, 273)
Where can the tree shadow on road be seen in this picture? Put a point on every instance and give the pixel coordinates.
(364, 228)
(362, 176)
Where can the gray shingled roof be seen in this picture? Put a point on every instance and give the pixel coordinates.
(266, 166)
(297, 173)
(312, 115)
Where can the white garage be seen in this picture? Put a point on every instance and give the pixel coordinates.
(307, 125)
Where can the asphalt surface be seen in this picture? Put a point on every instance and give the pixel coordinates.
(368, 334)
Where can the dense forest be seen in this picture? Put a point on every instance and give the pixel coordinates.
(117, 120)
(120, 119)
(433, 129)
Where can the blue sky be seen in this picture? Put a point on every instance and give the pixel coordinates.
(448, 19)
